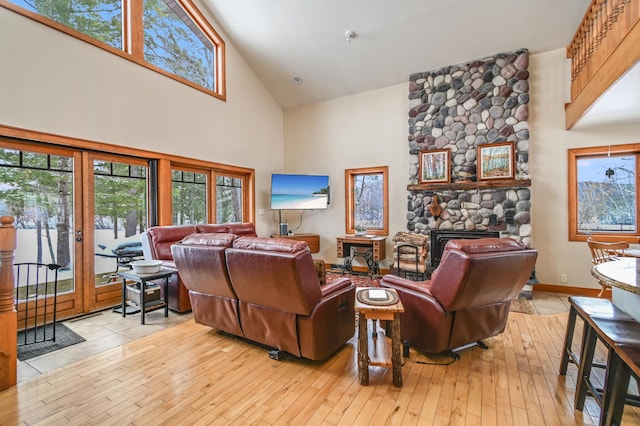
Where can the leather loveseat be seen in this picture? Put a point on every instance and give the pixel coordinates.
(156, 244)
(468, 296)
(266, 290)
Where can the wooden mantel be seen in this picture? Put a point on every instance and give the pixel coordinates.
(603, 49)
(488, 184)
(8, 315)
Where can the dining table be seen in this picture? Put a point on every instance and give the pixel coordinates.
(623, 274)
(632, 252)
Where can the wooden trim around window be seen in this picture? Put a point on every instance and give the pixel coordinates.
(349, 174)
(572, 198)
(165, 164)
(133, 36)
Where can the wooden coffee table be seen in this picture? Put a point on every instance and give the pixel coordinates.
(376, 348)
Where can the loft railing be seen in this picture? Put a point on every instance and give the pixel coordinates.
(603, 48)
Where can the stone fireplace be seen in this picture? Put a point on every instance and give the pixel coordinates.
(459, 108)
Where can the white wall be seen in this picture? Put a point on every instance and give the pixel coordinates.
(364, 130)
(549, 84)
(52, 82)
(370, 129)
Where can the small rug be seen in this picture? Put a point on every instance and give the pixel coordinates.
(521, 304)
(358, 280)
(64, 338)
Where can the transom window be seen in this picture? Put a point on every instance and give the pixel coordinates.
(167, 36)
(173, 42)
(603, 192)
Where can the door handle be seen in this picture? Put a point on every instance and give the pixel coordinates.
(78, 236)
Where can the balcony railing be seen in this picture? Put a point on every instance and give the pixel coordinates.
(603, 48)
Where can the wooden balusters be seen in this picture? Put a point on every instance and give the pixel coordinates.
(602, 50)
(8, 315)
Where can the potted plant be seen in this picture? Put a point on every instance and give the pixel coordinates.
(361, 230)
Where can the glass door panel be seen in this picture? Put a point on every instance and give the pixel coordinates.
(119, 212)
(37, 188)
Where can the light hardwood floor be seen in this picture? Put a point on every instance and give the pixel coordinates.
(188, 374)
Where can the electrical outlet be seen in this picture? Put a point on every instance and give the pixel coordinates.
(563, 278)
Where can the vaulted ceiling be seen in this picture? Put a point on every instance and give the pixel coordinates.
(288, 41)
(284, 39)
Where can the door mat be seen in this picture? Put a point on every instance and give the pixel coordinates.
(64, 338)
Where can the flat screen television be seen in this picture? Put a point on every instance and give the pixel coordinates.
(299, 192)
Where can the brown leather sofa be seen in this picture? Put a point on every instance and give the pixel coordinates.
(266, 290)
(468, 296)
(156, 244)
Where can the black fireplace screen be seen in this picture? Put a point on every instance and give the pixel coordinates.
(439, 239)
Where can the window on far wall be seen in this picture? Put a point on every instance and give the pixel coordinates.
(603, 194)
(189, 197)
(228, 199)
(367, 200)
(167, 36)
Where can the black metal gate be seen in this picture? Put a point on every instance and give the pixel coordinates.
(36, 297)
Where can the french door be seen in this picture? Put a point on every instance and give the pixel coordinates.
(76, 209)
(116, 215)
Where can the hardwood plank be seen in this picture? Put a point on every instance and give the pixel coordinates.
(202, 377)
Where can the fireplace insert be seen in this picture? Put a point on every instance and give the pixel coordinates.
(439, 239)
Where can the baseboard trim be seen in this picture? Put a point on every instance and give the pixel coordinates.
(576, 291)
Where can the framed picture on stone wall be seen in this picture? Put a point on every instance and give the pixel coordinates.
(495, 161)
(435, 166)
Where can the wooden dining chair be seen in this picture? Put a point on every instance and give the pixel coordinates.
(603, 252)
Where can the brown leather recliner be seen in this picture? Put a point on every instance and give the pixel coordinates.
(468, 296)
(201, 260)
(270, 290)
(157, 242)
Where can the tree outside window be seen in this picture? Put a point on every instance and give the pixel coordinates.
(189, 197)
(603, 192)
(175, 39)
(228, 199)
(367, 200)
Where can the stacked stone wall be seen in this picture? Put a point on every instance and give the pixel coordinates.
(459, 108)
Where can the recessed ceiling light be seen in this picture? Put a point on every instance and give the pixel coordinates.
(297, 80)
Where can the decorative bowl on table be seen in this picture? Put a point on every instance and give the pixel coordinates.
(146, 266)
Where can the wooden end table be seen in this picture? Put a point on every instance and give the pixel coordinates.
(142, 279)
(376, 348)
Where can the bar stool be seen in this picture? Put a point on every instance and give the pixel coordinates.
(624, 362)
(586, 308)
(611, 332)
